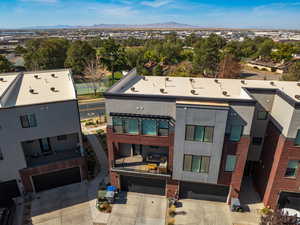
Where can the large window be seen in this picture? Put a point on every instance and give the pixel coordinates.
(291, 170)
(125, 125)
(230, 163)
(297, 140)
(198, 164)
(199, 133)
(236, 132)
(131, 126)
(262, 115)
(163, 128)
(149, 127)
(28, 121)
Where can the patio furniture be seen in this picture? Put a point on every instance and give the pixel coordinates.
(156, 158)
(151, 166)
(162, 168)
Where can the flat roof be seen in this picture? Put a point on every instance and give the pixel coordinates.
(38, 87)
(199, 88)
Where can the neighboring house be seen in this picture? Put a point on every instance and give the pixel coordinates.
(267, 66)
(198, 137)
(40, 132)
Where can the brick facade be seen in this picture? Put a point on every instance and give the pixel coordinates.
(113, 140)
(269, 175)
(27, 173)
(234, 179)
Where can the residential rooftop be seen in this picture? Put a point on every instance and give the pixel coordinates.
(28, 88)
(201, 88)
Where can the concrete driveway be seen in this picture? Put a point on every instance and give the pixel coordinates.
(201, 212)
(67, 205)
(139, 209)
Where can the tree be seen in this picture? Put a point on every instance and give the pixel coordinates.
(265, 49)
(293, 73)
(19, 50)
(93, 72)
(158, 70)
(278, 217)
(283, 52)
(134, 56)
(207, 55)
(229, 67)
(5, 65)
(42, 54)
(191, 40)
(78, 55)
(112, 56)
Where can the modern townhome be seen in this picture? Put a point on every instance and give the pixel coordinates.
(40, 132)
(199, 137)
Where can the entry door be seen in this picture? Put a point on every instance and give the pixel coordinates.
(45, 145)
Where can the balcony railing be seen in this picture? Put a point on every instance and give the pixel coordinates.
(136, 164)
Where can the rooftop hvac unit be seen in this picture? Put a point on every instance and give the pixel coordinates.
(144, 78)
(192, 80)
(216, 80)
(31, 91)
(1, 79)
(133, 89)
(243, 81)
(272, 83)
(36, 77)
(193, 92)
(297, 97)
(162, 90)
(225, 93)
(53, 89)
(298, 84)
(53, 75)
(167, 79)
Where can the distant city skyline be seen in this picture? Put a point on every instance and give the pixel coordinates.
(213, 13)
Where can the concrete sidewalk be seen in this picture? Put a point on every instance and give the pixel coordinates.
(93, 186)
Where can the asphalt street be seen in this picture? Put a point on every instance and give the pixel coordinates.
(91, 109)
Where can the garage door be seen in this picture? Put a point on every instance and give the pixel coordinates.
(143, 185)
(289, 200)
(203, 191)
(56, 179)
(11, 190)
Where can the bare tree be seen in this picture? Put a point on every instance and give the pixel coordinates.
(94, 73)
(229, 67)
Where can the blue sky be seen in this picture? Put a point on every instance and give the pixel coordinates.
(206, 13)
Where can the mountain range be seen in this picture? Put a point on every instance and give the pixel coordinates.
(120, 26)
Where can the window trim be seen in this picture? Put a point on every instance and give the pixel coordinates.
(28, 120)
(204, 133)
(193, 157)
(230, 171)
(298, 134)
(260, 118)
(241, 134)
(296, 170)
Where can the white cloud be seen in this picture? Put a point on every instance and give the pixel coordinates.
(156, 3)
(40, 1)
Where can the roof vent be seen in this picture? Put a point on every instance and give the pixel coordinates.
(225, 93)
(32, 91)
(37, 77)
(298, 84)
(193, 92)
(53, 89)
(272, 83)
(297, 97)
(192, 80)
(243, 81)
(167, 79)
(216, 80)
(144, 78)
(53, 75)
(133, 89)
(163, 91)
(2, 79)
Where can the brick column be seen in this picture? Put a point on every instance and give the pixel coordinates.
(172, 188)
(237, 176)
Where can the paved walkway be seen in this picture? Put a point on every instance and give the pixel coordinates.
(93, 186)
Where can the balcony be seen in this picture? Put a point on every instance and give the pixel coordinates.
(43, 151)
(143, 160)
